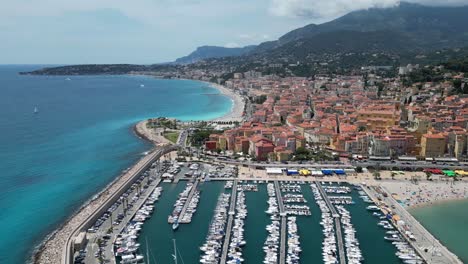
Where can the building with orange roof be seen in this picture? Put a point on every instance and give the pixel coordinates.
(433, 145)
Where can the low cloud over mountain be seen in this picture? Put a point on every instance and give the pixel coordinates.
(328, 9)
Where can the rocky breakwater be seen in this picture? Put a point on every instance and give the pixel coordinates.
(54, 248)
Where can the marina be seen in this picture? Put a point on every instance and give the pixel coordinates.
(286, 229)
(185, 206)
(228, 230)
(336, 216)
(282, 213)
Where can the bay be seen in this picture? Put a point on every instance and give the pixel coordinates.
(79, 141)
(448, 223)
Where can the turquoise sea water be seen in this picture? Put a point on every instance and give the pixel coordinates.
(448, 223)
(53, 161)
(158, 233)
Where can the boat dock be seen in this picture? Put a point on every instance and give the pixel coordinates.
(232, 212)
(336, 217)
(184, 209)
(63, 248)
(129, 212)
(426, 245)
(282, 252)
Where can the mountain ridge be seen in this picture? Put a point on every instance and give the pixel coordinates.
(434, 27)
(208, 52)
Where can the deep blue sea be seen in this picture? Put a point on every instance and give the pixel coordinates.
(81, 139)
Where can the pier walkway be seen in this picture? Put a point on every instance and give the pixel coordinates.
(427, 246)
(282, 252)
(184, 209)
(336, 217)
(232, 212)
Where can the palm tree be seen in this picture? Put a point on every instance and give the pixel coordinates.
(376, 175)
(428, 176)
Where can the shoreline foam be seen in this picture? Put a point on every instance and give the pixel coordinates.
(238, 104)
(435, 203)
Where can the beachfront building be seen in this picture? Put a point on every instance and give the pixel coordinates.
(433, 145)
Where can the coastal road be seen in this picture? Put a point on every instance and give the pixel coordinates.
(411, 165)
(182, 139)
(107, 253)
(63, 241)
(432, 251)
(383, 165)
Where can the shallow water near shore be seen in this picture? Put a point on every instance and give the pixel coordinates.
(447, 222)
(81, 139)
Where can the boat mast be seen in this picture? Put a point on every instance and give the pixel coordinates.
(175, 251)
(147, 250)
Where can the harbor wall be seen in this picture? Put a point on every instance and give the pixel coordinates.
(67, 257)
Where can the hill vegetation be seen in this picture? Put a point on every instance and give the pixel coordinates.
(208, 52)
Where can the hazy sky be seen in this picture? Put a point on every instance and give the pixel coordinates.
(149, 31)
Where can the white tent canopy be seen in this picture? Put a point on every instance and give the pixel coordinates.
(274, 171)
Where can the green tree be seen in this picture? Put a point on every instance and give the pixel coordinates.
(302, 154)
(376, 175)
(428, 176)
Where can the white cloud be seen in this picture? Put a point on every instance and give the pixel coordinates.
(329, 9)
(324, 9)
(246, 36)
(152, 12)
(232, 45)
(254, 37)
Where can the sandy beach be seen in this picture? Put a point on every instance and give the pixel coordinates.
(427, 192)
(238, 104)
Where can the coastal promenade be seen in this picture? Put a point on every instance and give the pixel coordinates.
(108, 252)
(427, 246)
(59, 247)
(232, 212)
(336, 217)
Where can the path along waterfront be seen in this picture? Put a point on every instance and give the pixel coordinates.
(108, 252)
(59, 248)
(426, 244)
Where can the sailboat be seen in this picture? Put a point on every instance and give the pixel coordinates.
(36, 110)
(147, 251)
